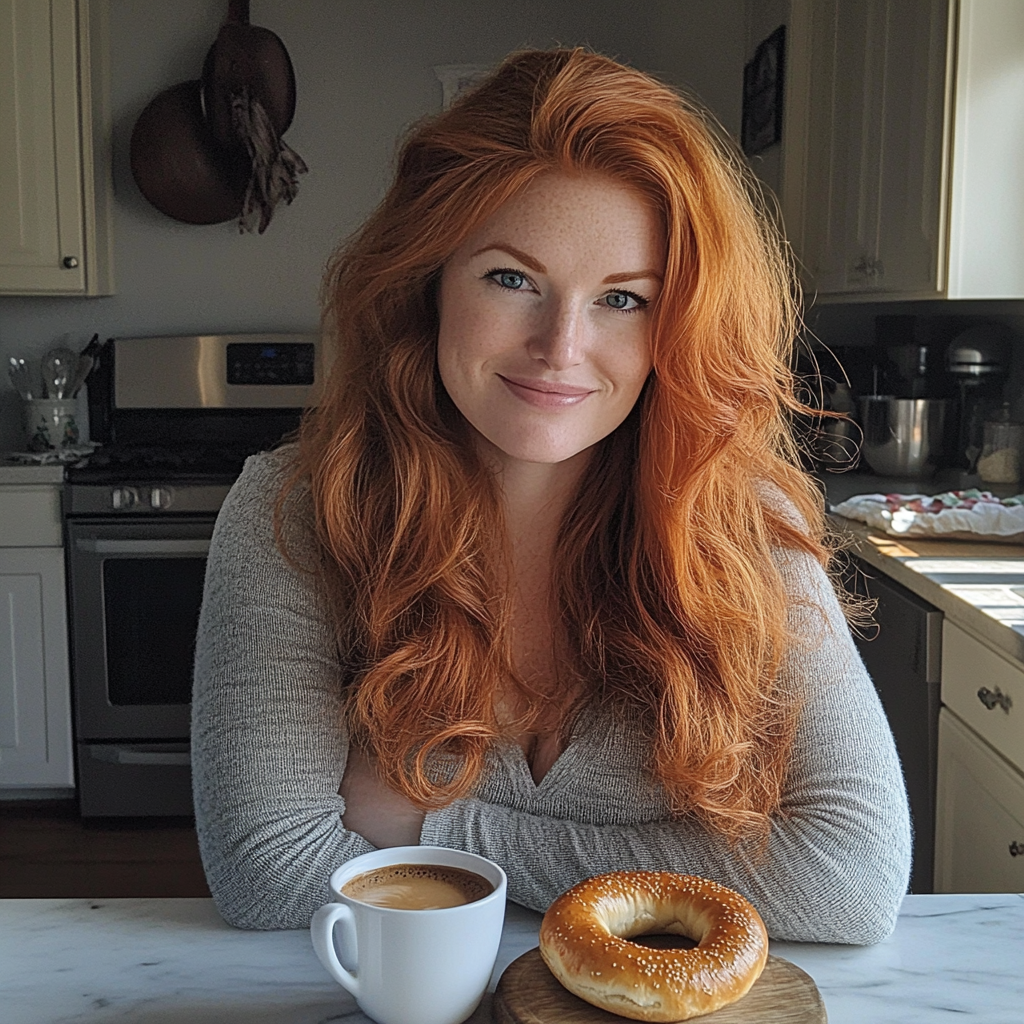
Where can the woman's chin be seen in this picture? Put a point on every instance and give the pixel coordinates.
(533, 451)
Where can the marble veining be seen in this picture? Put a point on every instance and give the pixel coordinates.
(174, 961)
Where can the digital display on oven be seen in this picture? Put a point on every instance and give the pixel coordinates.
(288, 365)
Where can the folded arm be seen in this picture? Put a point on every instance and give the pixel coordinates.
(837, 861)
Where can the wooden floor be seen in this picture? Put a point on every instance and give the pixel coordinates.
(46, 850)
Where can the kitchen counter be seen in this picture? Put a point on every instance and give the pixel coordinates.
(20, 473)
(174, 960)
(977, 585)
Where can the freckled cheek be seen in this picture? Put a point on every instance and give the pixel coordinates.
(628, 365)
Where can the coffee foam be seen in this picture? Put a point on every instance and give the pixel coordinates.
(418, 887)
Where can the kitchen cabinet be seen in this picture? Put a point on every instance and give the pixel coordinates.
(904, 124)
(979, 834)
(55, 236)
(980, 815)
(35, 698)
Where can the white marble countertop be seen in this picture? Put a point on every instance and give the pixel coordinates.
(173, 961)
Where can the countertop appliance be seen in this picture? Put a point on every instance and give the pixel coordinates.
(978, 360)
(177, 417)
(903, 657)
(903, 437)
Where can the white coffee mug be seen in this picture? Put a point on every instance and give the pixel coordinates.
(412, 966)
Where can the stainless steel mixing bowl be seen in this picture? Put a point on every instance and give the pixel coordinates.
(903, 436)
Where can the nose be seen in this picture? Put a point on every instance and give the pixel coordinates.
(560, 339)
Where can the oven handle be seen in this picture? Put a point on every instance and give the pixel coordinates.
(135, 755)
(142, 547)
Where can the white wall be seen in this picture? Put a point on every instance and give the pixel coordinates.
(364, 72)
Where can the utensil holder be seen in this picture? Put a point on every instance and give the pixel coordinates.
(50, 423)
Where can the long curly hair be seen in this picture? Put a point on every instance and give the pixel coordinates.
(673, 609)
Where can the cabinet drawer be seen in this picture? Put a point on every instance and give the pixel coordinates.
(29, 516)
(985, 690)
(979, 831)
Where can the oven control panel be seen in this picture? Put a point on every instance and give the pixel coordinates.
(144, 499)
(157, 498)
(279, 365)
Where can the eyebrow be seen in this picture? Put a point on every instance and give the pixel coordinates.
(539, 268)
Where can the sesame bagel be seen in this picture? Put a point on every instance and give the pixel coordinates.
(585, 932)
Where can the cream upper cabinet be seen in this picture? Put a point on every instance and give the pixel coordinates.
(54, 148)
(904, 127)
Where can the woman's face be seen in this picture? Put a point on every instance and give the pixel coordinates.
(545, 316)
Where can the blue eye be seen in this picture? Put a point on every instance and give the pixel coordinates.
(626, 301)
(513, 280)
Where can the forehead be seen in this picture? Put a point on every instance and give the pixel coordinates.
(558, 213)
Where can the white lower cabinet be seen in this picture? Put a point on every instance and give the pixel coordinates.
(35, 692)
(979, 827)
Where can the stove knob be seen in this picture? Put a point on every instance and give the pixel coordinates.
(123, 497)
(160, 497)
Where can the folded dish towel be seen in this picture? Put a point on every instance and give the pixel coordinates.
(972, 514)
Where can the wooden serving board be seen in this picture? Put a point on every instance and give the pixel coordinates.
(528, 993)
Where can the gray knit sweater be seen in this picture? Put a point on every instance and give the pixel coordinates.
(268, 755)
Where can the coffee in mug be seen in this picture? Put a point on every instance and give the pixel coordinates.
(418, 887)
(413, 932)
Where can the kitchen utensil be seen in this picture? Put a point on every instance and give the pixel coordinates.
(529, 994)
(58, 367)
(21, 377)
(902, 436)
(85, 363)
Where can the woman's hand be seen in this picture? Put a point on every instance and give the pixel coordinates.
(379, 814)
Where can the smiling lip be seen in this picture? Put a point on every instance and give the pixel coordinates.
(545, 394)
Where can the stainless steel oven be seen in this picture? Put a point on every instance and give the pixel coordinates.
(135, 589)
(177, 417)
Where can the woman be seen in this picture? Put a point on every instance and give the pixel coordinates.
(541, 579)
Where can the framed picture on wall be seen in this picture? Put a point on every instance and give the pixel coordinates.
(762, 94)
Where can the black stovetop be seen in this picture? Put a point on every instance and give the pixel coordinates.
(116, 464)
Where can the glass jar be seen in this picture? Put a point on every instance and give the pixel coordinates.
(1001, 450)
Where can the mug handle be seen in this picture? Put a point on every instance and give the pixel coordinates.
(321, 929)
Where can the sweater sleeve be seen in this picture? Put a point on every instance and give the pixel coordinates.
(268, 750)
(837, 860)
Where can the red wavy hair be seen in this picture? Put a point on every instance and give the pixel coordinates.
(674, 610)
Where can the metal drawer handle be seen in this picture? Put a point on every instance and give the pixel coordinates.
(1016, 849)
(136, 755)
(142, 547)
(993, 698)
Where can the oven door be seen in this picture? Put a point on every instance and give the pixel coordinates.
(136, 589)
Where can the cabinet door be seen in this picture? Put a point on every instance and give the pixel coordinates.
(876, 113)
(35, 700)
(41, 217)
(841, 214)
(979, 832)
(912, 173)
(822, 245)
